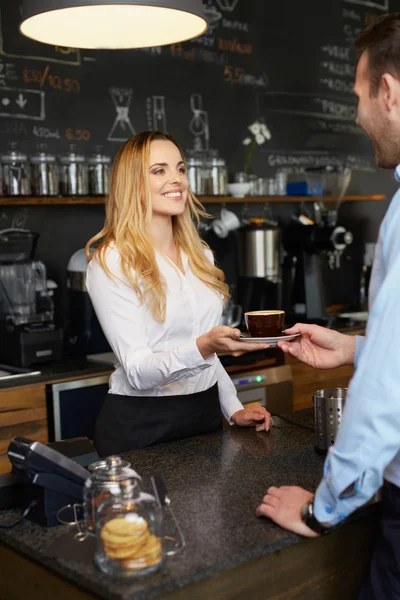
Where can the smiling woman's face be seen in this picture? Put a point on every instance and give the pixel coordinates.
(168, 179)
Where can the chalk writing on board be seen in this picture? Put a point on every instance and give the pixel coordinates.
(77, 134)
(156, 113)
(9, 42)
(19, 103)
(339, 69)
(13, 127)
(340, 52)
(337, 85)
(234, 46)
(45, 132)
(198, 54)
(227, 5)
(297, 161)
(122, 128)
(235, 25)
(381, 4)
(335, 127)
(45, 77)
(307, 105)
(7, 73)
(238, 76)
(20, 218)
(199, 126)
(213, 18)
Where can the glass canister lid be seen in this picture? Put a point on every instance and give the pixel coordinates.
(42, 156)
(98, 157)
(112, 470)
(13, 155)
(71, 156)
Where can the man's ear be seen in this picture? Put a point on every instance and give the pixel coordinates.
(390, 91)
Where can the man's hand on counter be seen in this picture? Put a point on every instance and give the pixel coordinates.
(283, 506)
(256, 417)
(320, 347)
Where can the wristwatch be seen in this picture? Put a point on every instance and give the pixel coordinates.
(308, 517)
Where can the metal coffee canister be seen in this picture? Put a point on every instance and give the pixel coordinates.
(16, 172)
(261, 251)
(99, 173)
(328, 410)
(73, 174)
(45, 174)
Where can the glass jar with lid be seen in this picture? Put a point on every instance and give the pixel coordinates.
(45, 173)
(196, 175)
(105, 481)
(99, 172)
(217, 177)
(73, 174)
(129, 533)
(16, 172)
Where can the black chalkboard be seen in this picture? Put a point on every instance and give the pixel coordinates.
(289, 63)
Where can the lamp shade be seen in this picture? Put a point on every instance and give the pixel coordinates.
(116, 24)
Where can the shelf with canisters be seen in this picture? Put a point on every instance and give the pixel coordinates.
(47, 200)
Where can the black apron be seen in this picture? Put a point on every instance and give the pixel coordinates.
(130, 422)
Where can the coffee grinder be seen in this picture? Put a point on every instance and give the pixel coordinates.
(310, 244)
(28, 333)
(259, 258)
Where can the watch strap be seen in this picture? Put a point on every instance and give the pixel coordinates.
(308, 517)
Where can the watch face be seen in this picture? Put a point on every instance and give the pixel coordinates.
(306, 511)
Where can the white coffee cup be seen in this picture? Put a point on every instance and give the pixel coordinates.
(228, 221)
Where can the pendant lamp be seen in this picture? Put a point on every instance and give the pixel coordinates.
(112, 24)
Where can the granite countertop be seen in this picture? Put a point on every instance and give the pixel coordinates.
(59, 370)
(215, 483)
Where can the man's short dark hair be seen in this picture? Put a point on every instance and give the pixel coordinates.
(381, 40)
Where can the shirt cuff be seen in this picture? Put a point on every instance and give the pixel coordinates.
(234, 406)
(360, 340)
(191, 356)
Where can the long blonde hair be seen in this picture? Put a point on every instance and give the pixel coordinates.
(129, 211)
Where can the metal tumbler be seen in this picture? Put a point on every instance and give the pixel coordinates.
(328, 409)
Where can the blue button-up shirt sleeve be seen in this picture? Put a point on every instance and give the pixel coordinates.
(360, 339)
(369, 436)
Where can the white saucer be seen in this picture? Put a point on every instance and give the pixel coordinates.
(272, 341)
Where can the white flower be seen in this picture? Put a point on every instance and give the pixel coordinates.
(260, 139)
(265, 131)
(255, 128)
(247, 141)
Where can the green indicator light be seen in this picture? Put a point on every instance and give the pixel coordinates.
(258, 378)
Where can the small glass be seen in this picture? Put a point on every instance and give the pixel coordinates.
(253, 191)
(280, 183)
(129, 533)
(271, 187)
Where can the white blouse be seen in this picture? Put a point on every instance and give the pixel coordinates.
(160, 359)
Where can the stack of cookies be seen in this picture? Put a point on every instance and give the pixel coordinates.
(131, 543)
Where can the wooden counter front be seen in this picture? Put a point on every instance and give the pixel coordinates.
(307, 380)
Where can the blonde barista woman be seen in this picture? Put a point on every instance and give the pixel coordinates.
(159, 298)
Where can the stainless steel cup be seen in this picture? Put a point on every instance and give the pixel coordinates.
(328, 409)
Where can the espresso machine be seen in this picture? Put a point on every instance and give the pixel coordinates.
(84, 334)
(312, 245)
(259, 258)
(28, 333)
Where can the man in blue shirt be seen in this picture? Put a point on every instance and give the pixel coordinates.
(367, 449)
